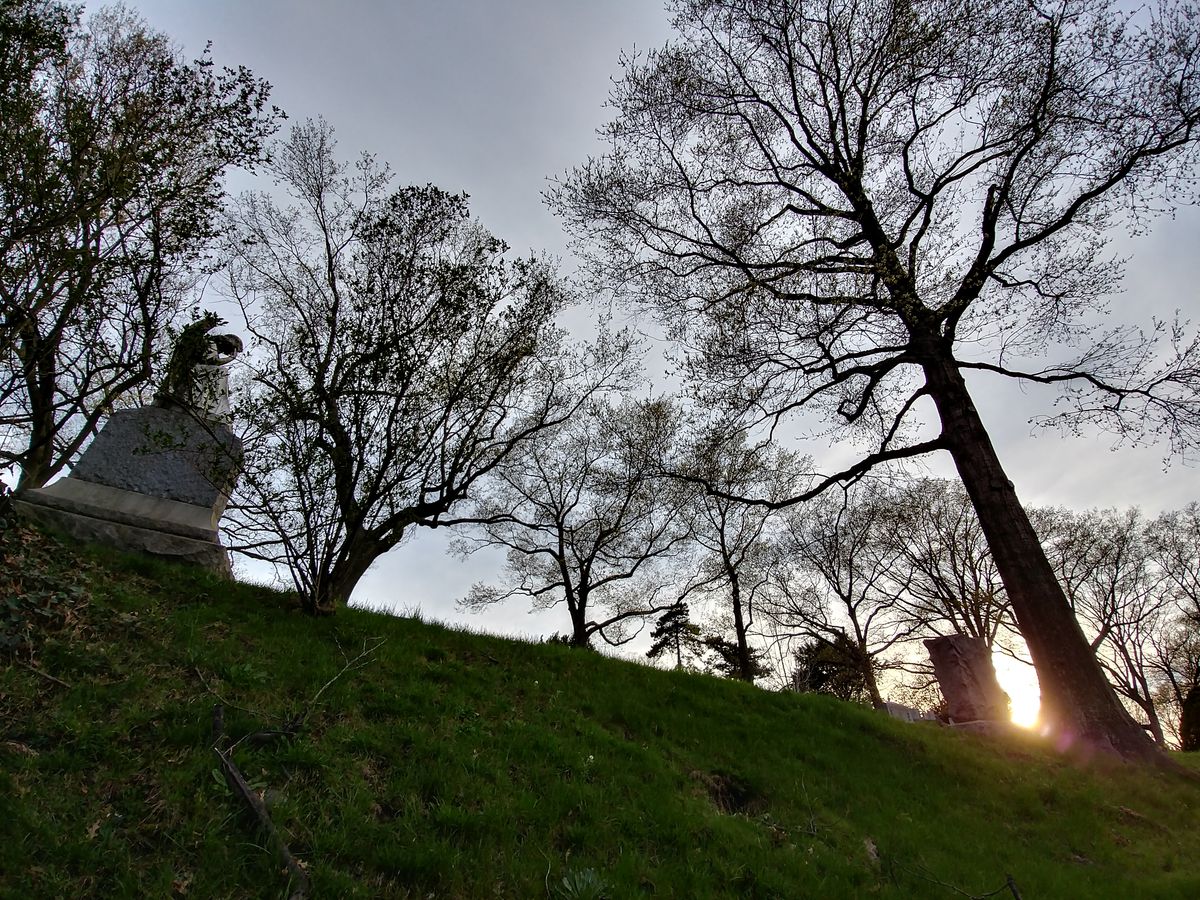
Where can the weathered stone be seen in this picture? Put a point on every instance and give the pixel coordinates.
(129, 507)
(155, 542)
(906, 713)
(154, 481)
(164, 453)
(964, 670)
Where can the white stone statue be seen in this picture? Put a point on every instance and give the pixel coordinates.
(197, 379)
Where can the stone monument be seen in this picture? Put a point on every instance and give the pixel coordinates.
(964, 670)
(156, 479)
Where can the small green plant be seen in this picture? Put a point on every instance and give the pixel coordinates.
(583, 884)
(245, 674)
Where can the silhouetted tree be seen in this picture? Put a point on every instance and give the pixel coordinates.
(586, 522)
(834, 666)
(675, 634)
(840, 578)
(734, 660)
(1174, 542)
(951, 582)
(1175, 660)
(841, 207)
(112, 153)
(1174, 546)
(1119, 596)
(734, 550)
(398, 358)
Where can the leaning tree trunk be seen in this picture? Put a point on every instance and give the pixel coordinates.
(1078, 704)
(870, 680)
(866, 666)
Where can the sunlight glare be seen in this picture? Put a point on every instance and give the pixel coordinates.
(1020, 681)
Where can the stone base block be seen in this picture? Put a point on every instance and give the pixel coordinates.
(127, 525)
(127, 507)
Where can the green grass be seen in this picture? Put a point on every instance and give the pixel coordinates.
(457, 765)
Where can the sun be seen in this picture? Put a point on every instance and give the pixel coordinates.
(1021, 683)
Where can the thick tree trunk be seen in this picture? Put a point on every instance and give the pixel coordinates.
(334, 590)
(869, 679)
(1189, 722)
(36, 466)
(580, 636)
(1078, 704)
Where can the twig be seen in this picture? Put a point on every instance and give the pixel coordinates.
(260, 738)
(1009, 885)
(812, 816)
(208, 687)
(292, 727)
(237, 782)
(239, 787)
(357, 663)
(36, 671)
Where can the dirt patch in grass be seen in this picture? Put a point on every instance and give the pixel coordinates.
(730, 794)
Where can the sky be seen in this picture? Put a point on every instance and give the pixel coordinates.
(495, 96)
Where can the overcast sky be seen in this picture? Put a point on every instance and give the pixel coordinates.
(495, 96)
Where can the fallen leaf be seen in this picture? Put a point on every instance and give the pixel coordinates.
(872, 850)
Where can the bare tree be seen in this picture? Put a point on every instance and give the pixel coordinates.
(1175, 660)
(1120, 597)
(841, 206)
(112, 155)
(586, 523)
(1174, 540)
(839, 582)
(398, 357)
(732, 540)
(951, 582)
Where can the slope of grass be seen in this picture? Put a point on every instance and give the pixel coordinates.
(447, 764)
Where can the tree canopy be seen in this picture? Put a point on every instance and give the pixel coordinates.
(398, 356)
(113, 152)
(842, 206)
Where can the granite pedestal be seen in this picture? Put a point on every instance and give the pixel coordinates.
(154, 480)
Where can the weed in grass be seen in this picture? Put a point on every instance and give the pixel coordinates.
(582, 884)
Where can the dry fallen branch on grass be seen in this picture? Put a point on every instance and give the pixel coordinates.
(298, 878)
(36, 671)
(1009, 886)
(251, 799)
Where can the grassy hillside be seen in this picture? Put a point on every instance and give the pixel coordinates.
(445, 764)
